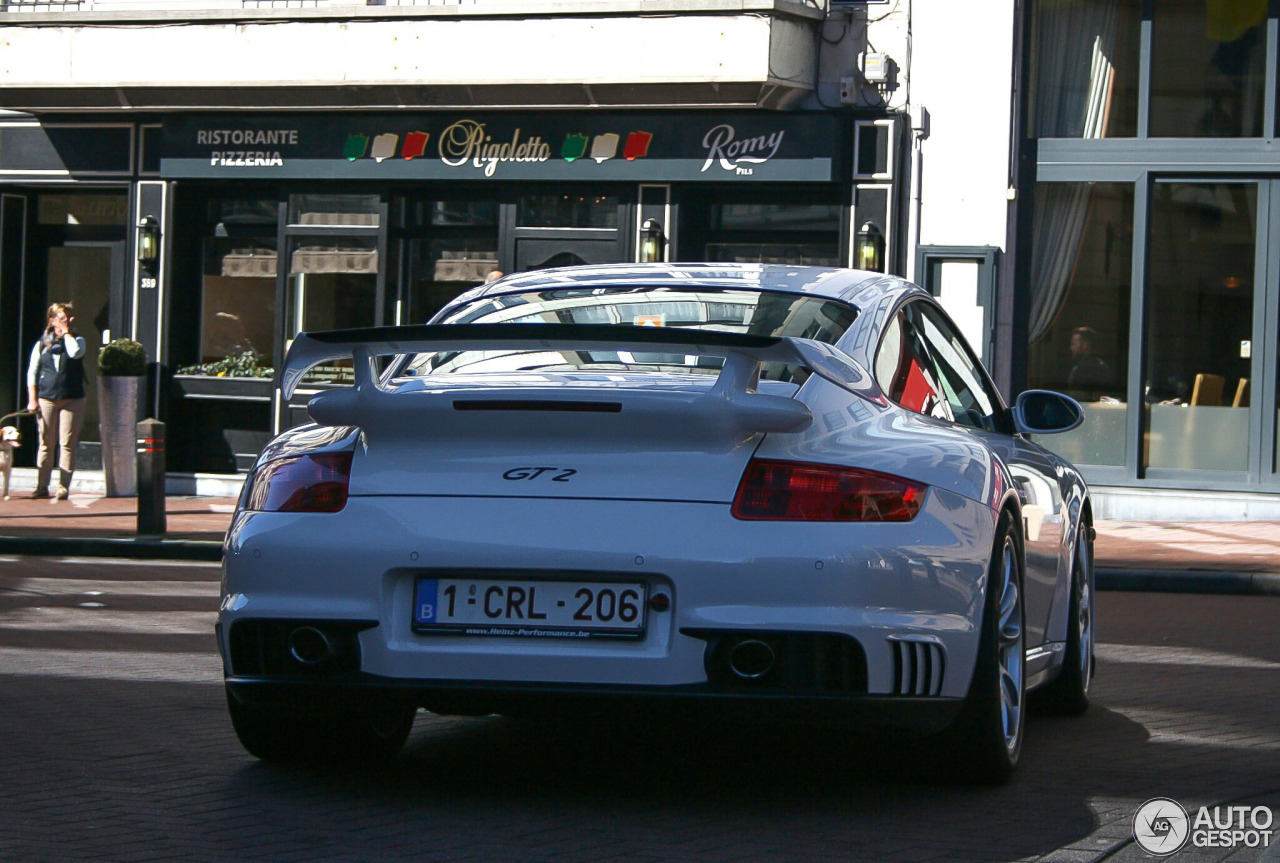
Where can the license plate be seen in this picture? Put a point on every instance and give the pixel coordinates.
(531, 609)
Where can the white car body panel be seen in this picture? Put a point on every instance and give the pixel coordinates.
(917, 579)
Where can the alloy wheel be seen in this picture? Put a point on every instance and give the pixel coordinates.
(1010, 651)
(1084, 604)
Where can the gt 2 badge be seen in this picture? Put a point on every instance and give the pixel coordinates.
(559, 474)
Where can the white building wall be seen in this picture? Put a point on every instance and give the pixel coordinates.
(956, 62)
(582, 50)
(961, 67)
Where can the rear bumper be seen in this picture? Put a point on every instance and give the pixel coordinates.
(908, 594)
(694, 701)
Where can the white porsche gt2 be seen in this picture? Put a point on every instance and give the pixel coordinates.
(786, 492)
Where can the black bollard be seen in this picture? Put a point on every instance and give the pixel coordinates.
(150, 455)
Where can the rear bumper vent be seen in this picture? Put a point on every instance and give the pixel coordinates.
(792, 663)
(918, 667)
(285, 648)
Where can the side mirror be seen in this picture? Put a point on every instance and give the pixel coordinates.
(1045, 412)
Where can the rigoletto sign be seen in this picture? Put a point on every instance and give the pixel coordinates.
(553, 146)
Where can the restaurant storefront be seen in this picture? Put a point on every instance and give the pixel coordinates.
(272, 225)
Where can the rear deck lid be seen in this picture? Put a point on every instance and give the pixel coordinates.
(565, 411)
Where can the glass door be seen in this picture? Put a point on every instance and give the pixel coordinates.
(447, 246)
(1264, 390)
(1205, 287)
(86, 274)
(568, 230)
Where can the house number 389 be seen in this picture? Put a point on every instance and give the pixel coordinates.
(147, 282)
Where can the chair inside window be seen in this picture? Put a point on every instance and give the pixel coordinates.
(1208, 390)
(1242, 394)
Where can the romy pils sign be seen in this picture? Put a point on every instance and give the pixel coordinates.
(723, 147)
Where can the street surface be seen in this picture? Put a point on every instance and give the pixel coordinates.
(116, 746)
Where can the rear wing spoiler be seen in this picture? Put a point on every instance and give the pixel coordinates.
(736, 384)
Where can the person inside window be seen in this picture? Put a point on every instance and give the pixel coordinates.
(1089, 377)
(55, 387)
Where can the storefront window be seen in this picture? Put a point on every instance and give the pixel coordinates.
(442, 269)
(1078, 328)
(458, 213)
(335, 210)
(238, 299)
(237, 212)
(1085, 68)
(82, 209)
(780, 217)
(332, 285)
(768, 232)
(804, 254)
(1200, 325)
(1208, 67)
(568, 211)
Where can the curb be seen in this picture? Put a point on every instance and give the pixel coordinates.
(1189, 581)
(143, 547)
(158, 548)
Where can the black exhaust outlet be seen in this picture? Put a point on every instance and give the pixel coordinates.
(310, 646)
(752, 658)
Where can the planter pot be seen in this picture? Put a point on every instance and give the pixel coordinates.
(233, 389)
(119, 412)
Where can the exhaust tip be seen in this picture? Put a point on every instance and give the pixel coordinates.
(752, 659)
(309, 646)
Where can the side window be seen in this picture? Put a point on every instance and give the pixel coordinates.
(905, 373)
(963, 385)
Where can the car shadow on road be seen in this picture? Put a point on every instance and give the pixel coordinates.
(791, 792)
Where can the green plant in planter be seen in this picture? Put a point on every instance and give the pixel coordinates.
(245, 365)
(122, 358)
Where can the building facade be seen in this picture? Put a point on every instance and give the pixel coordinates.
(1149, 254)
(1087, 185)
(212, 178)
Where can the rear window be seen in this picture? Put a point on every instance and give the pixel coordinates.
(762, 313)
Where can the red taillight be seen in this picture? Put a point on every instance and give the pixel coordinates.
(792, 491)
(309, 483)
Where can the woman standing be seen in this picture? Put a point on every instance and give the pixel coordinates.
(55, 387)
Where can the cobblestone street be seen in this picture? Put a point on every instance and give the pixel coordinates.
(118, 747)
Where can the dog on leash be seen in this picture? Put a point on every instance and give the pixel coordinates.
(10, 439)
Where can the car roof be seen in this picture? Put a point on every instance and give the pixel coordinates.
(860, 288)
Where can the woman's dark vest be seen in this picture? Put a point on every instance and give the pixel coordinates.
(67, 383)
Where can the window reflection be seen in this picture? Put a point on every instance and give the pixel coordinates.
(1085, 68)
(445, 268)
(238, 299)
(1208, 68)
(757, 229)
(332, 286)
(335, 210)
(1081, 264)
(802, 254)
(568, 211)
(757, 313)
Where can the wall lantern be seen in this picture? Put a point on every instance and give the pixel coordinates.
(869, 250)
(148, 240)
(652, 241)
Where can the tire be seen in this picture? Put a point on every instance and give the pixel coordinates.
(1068, 693)
(291, 735)
(985, 740)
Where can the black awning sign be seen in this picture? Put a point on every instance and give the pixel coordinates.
(775, 147)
